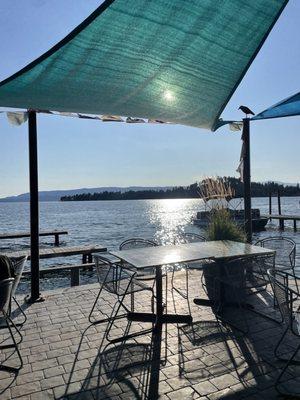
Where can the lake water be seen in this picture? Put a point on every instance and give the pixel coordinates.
(108, 223)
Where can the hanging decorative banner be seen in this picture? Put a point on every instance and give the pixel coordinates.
(156, 121)
(17, 118)
(111, 118)
(130, 120)
(236, 126)
(240, 168)
(104, 118)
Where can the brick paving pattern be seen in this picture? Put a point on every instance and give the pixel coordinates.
(65, 357)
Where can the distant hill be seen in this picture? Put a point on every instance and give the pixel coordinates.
(119, 193)
(55, 195)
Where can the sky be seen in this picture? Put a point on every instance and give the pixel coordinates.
(77, 153)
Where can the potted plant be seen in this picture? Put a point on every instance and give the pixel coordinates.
(221, 227)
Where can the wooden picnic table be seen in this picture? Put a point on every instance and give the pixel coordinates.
(18, 235)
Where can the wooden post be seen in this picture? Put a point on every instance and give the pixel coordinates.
(34, 207)
(281, 222)
(270, 204)
(247, 179)
(75, 277)
(56, 239)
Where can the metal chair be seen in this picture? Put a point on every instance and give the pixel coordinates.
(242, 275)
(146, 274)
(19, 264)
(5, 300)
(119, 281)
(188, 238)
(286, 297)
(135, 243)
(285, 251)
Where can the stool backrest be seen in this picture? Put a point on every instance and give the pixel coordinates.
(135, 243)
(18, 264)
(111, 274)
(192, 237)
(285, 249)
(283, 295)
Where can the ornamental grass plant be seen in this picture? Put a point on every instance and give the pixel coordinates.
(223, 227)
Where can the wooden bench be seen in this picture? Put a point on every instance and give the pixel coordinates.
(86, 251)
(74, 269)
(19, 235)
(66, 251)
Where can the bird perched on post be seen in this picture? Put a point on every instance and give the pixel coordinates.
(246, 110)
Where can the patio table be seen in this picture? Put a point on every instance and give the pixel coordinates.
(158, 256)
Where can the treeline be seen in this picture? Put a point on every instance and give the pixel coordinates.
(174, 193)
(263, 189)
(191, 191)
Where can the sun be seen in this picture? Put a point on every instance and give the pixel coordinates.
(168, 95)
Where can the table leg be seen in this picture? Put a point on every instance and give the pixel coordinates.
(159, 299)
(160, 318)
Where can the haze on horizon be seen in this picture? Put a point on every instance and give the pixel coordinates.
(77, 153)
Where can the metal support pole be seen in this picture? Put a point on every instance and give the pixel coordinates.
(34, 207)
(247, 179)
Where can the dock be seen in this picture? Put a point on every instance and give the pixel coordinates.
(281, 218)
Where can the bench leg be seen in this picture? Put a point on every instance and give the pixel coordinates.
(75, 277)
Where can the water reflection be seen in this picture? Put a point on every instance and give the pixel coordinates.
(110, 222)
(171, 217)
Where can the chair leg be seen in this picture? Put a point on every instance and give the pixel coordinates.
(203, 283)
(179, 291)
(173, 287)
(17, 329)
(187, 282)
(277, 383)
(172, 278)
(166, 325)
(114, 315)
(132, 302)
(278, 345)
(93, 307)
(10, 324)
(21, 310)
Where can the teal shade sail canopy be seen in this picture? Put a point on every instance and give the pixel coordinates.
(285, 108)
(171, 60)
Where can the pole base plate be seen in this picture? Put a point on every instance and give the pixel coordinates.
(29, 300)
